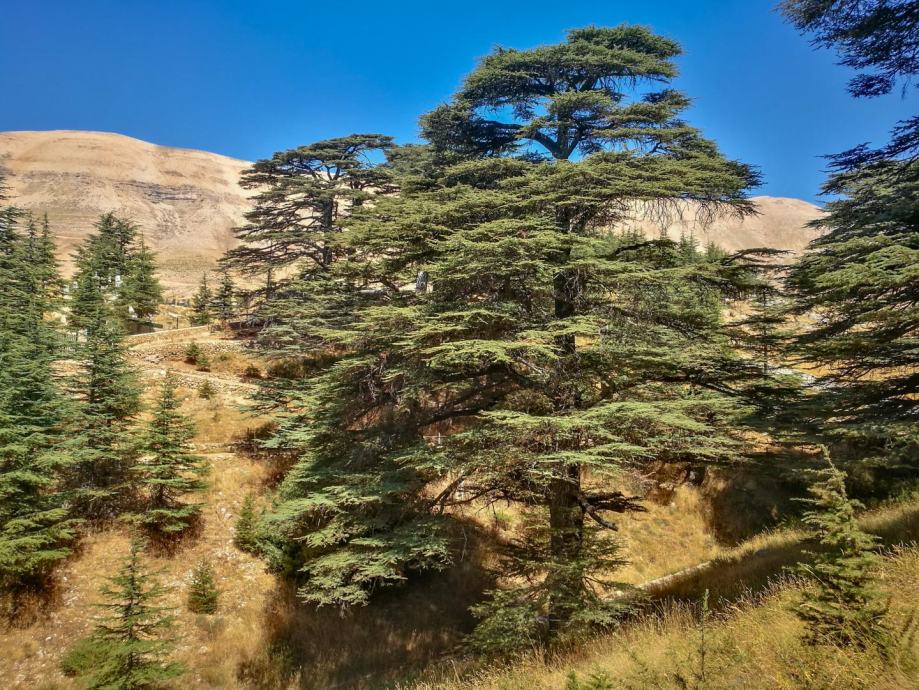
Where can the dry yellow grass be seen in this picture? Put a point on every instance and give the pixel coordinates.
(752, 645)
(211, 646)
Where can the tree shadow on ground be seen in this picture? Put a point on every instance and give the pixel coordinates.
(401, 631)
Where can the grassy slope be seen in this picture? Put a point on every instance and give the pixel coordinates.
(260, 634)
(753, 643)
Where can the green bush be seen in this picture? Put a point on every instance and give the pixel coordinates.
(203, 594)
(82, 657)
(246, 525)
(206, 390)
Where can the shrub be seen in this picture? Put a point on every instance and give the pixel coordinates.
(246, 527)
(206, 390)
(192, 352)
(202, 591)
(252, 372)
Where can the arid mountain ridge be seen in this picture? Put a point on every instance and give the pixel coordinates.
(186, 202)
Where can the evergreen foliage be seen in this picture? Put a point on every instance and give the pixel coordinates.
(35, 524)
(194, 354)
(141, 293)
(859, 284)
(225, 297)
(858, 281)
(129, 647)
(245, 535)
(168, 469)
(110, 262)
(102, 445)
(844, 606)
(201, 304)
(537, 347)
(304, 194)
(879, 38)
(203, 595)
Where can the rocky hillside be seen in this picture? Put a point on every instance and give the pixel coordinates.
(186, 201)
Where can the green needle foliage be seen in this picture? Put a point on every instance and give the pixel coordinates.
(201, 304)
(858, 283)
(485, 336)
(843, 607)
(35, 524)
(129, 648)
(102, 446)
(304, 194)
(225, 297)
(141, 294)
(203, 594)
(110, 261)
(168, 469)
(245, 536)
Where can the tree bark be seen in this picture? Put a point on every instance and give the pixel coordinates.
(566, 516)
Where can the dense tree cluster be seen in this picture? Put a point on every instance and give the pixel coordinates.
(117, 264)
(485, 337)
(475, 320)
(36, 526)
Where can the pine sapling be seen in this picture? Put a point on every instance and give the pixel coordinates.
(203, 594)
(169, 469)
(843, 607)
(128, 650)
(245, 536)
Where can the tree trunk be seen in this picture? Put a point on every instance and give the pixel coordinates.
(566, 522)
(566, 518)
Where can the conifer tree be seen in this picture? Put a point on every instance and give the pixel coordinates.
(203, 595)
(536, 344)
(292, 235)
(857, 282)
(130, 644)
(225, 297)
(111, 262)
(245, 533)
(201, 304)
(35, 525)
(843, 607)
(168, 469)
(102, 446)
(141, 294)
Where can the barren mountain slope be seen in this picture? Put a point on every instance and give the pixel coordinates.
(186, 201)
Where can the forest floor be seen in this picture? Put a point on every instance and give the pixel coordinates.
(262, 638)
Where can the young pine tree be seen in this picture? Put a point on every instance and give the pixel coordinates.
(245, 536)
(168, 470)
(35, 524)
(129, 647)
(541, 348)
(201, 304)
(843, 607)
(203, 594)
(225, 297)
(140, 294)
(102, 447)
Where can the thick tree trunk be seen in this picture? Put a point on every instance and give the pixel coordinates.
(566, 522)
(566, 517)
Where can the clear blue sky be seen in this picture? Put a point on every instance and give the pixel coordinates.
(245, 78)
